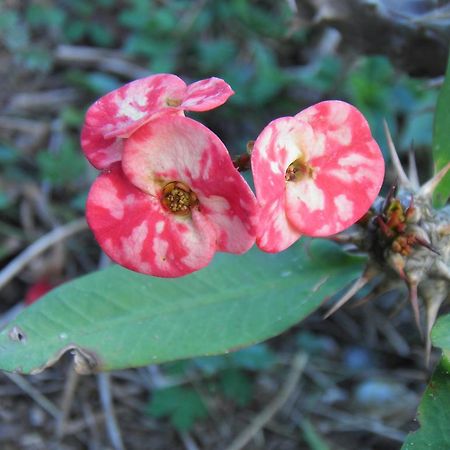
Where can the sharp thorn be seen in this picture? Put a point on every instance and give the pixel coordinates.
(403, 178)
(354, 288)
(357, 237)
(390, 195)
(426, 244)
(377, 291)
(414, 300)
(412, 171)
(432, 309)
(428, 188)
(433, 299)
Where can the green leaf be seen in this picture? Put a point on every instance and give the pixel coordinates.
(257, 357)
(440, 334)
(116, 318)
(63, 167)
(268, 80)
(441, 140)
(213, 53)
(434, 413)
(182, 405)
(98, 83)
(236, 385)
(44, 16)
(36, 59)
(321, 76)
(75, 30)
(210, 365)
(101, 35)
(72, 117)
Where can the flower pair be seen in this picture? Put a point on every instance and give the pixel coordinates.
(169, 196)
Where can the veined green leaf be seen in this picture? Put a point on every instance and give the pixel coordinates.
(441, 140)
(434, 413)
(116, 318)
(440, 334)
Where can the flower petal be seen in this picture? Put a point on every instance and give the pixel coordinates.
(206, 94)
(275, 233)
(122, 111)
(181, 149)
(348, 171)
(135, 230)
(279, 144)
(100, 152)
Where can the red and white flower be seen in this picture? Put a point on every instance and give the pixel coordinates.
(316, 173)
(119, 113)
(173, 201)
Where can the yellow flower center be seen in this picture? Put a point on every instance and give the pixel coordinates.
(178, 198)
(174, 102)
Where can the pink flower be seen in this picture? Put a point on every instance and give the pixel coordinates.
(173, 201)
(119, 113)
(316, 173)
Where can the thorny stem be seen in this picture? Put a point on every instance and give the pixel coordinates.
(354, 288)
(407, 241)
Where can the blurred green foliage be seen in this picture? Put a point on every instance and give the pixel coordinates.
(182, 405)
(63, 167)
(228, 376)
(256, 46)
(441, 139)
(375, 88)
(273, 62)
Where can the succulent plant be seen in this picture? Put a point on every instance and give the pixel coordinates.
(407, 240)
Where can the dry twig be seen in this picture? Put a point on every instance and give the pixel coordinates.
(292, 379)
(104, 387)
(67, 400)
(39, 398)
(105, 60)
(352, 423)
(39, 246)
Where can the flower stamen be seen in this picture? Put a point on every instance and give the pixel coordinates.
(173, 102)
(298, 170)
(179, 198)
